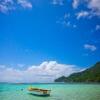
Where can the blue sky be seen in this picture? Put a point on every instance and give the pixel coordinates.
(35, 31)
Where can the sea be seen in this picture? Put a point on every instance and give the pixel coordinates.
(58, 91)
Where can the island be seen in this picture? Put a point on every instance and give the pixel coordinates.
(91, 74)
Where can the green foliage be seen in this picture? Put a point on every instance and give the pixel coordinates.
(91, 74)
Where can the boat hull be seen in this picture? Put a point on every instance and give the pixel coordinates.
(38, 94)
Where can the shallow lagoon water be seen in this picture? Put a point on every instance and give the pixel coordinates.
(59, 92)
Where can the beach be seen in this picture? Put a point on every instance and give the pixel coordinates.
(58, 92)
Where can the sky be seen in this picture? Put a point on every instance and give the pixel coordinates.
(41, 40)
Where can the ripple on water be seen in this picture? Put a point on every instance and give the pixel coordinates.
(59, 92)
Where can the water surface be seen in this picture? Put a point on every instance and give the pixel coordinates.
(59, 92)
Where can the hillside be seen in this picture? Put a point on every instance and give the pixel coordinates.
(91, 74)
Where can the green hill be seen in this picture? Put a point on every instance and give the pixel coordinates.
(91, 74)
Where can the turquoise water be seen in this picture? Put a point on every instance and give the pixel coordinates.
(59, 92)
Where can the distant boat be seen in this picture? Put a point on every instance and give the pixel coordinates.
(39, 92)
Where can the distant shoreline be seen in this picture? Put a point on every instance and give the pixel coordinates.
(52, 83)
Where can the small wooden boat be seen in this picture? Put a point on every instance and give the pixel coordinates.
(39, 92)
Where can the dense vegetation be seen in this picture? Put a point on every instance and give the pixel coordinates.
(91, 74)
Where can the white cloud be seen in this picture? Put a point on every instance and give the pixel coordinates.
(21, 65)
(97, 27)
(25, 3)
(93, 6)
(65, 21)
(58, 2)
(82, 14)
(6, 5)
(66, 16)
(10, 5)
(90, 47)
(67, 24)
(45, 72)
(3, 8)
(2, 66)
(75, 3)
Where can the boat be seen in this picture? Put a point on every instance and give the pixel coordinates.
(39, 92)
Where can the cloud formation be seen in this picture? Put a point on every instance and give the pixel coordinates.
(90, 47)
(82, 14)
(10, 5)
(75, 3)
(58, 2)
(97, 27)
(25, 3)
(45, 72)
(93, 6)
(65, 21)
